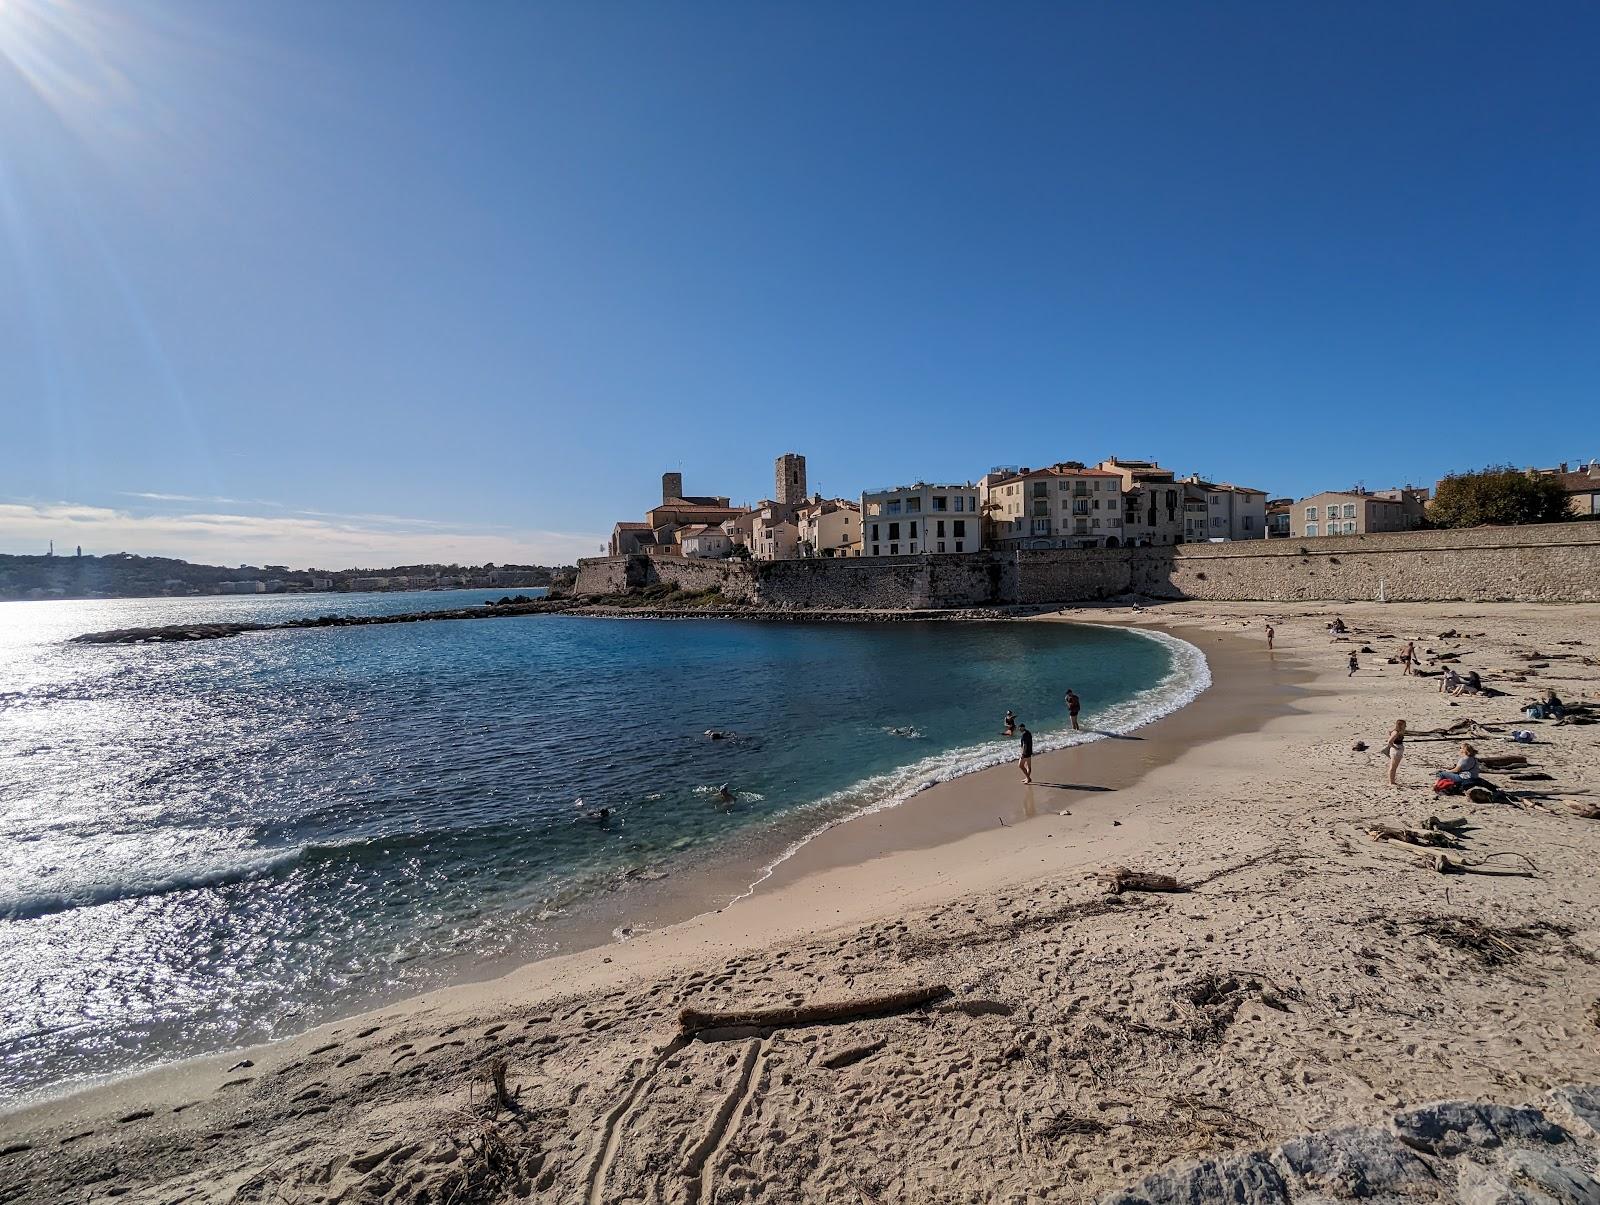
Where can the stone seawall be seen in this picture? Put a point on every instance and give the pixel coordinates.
(1557, 562)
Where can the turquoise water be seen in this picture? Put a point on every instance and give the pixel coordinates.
(203, 845)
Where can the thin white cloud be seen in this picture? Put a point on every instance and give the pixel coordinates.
(296, 540)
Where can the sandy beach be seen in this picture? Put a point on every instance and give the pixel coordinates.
(1308, 977)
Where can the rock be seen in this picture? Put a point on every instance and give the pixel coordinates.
(1565, 1181)
(1452, 1126)
(1479, 1185)
(1582, 1101)
(1357, 1162)
(1247, 1179)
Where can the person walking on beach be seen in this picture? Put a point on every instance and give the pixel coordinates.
(1271, 632)
(1408, 658)
(1354, 665)
(1025, 762)
(1072, 708)
(1396, 749)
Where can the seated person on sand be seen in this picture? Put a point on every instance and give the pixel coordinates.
(1554, 708)
(1470, 685)
(1450, 681)
(1466, 772)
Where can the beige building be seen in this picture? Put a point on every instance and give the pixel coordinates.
(1232, 512)
(1582, 487)
(773, 537)
(1064, 506)
(1152, 502)
(915, 519)
(1351, 512)
(830, 527)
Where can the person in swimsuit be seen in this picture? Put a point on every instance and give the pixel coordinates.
(1011, 723)
(1408, 658)
(1396, 749)
(1025, 762)
(1354, 665)
(1072, 708)
(1270, 634)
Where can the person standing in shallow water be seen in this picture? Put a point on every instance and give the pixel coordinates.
(1271, 632)
(1072, 708)
(1025, 762)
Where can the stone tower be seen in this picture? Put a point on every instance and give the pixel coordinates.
(789, 481)
(671, 486)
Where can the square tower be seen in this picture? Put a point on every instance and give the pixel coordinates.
(789, 481)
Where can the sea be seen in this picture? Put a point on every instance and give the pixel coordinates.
(206, 845)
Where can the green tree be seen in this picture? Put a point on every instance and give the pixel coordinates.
(1499, 494)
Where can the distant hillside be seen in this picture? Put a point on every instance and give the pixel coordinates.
(123, 575)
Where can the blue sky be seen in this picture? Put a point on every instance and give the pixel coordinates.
(345, 283)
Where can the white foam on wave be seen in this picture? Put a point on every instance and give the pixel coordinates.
(104, 876)
(1188, 678)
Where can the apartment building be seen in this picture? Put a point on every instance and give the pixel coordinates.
(921, 518)
(1349, 513)
(1232, 512)
(773, 535)
(1280, 519)
(830, 527)
(1152, 502)
(1064, 506)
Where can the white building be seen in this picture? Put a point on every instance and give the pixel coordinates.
(1064, 506)
(830, 527)
(1232, 512)
(705, 542)
(921, 518)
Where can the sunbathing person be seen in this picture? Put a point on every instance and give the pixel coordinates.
(1472, 684)
(1466, 772)
(1451, 680)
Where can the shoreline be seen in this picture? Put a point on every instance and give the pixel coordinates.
(934, 814)
(1304, 982)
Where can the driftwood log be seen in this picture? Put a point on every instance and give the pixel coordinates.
(1118, 879)
(1424, 837)
(694, 1020)
(1503, 761)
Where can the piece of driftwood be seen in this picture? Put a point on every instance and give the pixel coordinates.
(1426, 837)
(695, 1020)
(1444, 863)
(1582, 807)
(1503, 761)
(1118, 879)
(1455, 825)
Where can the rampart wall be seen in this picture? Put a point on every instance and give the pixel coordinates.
(1557, 562)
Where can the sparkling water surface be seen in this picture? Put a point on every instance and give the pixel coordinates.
(213, 843)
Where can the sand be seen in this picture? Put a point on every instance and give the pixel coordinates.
(1310, 978)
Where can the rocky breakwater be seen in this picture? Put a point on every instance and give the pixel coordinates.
(177, 632)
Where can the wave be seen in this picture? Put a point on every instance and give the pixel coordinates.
(26, 904)
(1188, 678)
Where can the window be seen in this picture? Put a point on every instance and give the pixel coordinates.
(1216, 499)
(939, 502)
(1041, 489)
(958, 545)
(1041, 527)
(1311, 528)
(941, 545)
(1080, 506)
(894, 507)
(894, 531)
(874, 531)
(1218, 521)
(960, 529)
(1350, 528)
(913, 506)
(960, 500)
(1311, 517)
(1350, 510)
(1041, 506)
(1248, 522)
(894, 550)
(940, 532)
(875, 551)
(913, 529)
